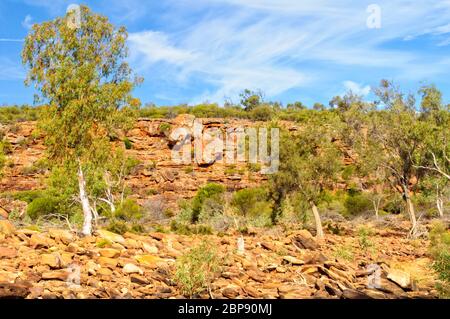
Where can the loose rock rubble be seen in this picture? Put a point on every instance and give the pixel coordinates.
(58, 264)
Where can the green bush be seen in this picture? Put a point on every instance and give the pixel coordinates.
(262, 113)
(118, 227)
(164, 128)
(195, 270)
(43, 206)
(211, 192)
(252, 202)
(357, 204)
(129, 210)
(183, 228)
(440, 251)
(128, 144)
(364, 241)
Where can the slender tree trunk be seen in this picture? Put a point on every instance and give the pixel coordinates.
(87, 213)
(439, 202)
(440, 206)
(376, 205)
(319, 229)
(410, 209)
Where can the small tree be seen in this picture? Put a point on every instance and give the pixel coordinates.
(251, 99)
(81, 74)
(309, 165)
(398, 137)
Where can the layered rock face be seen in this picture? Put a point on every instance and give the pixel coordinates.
(158, 176)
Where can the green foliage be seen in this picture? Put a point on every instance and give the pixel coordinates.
(252, 202)
(129, 211)
(251, 99)
(208, 193)
(14, 114)
(118, 227)
(262, 113)
(309, 164)
(195, 270)
(128, 144)
(357, 204)
(43, 206)
(440, 251)
(345, 252)
(364, 241)
(183, 228)
(165, 128)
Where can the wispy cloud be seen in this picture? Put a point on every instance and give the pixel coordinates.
(357, 88)
(280, 45)
(27, 22)
(10, 71)
(11, 40)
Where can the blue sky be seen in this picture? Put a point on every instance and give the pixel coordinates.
(190, 51)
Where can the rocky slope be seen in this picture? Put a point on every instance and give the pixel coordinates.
(275, 263)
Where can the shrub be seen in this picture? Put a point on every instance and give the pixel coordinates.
(345, 252)
(118, 227)
(394, 205)
(262, 113)
(128, 144)
(440, 251)
(164, 128)
(357, 204)
(195, 270)
(42, 206)
(129, 210)
(183, 228)
(213, 192)
(363, 238)
(252, 202)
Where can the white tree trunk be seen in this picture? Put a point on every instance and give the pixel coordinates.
(440, 206)
(411, 210)
(319, 229)
(87, 213)
(376, 206)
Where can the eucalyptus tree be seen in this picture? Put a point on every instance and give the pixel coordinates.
(397, 137)
(81, 73)
(310, 163)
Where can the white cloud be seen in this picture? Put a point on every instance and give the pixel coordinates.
(10, 70)
(27, 22)
(156, 47)
(278, 45)
(357, 88)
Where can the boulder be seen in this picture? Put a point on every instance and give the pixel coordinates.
(304, 240)
(55, 275)
(3, 213)
(115, 238)
(6, 227)
(401, 278)
(293, 260)
(107, 262)
(148, 260)
(109, 252)
(62, 235)
(231, 291)
(150, 248)
(51, 260)
(132, 269)
(40, 241)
